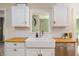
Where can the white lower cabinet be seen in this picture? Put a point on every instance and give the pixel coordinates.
(40, 52)
(14, 49)
(19, 49)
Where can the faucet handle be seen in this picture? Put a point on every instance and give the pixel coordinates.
(36, 35)
(42, 32)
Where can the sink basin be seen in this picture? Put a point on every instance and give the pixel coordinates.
(40, 42)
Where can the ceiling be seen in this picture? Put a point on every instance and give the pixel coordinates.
(41, 5)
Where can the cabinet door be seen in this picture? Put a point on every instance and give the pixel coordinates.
(60, 15)
(60, 49)
(20, 15)
(48, 52)
(40, 52)
(32, 52)
(70, 49)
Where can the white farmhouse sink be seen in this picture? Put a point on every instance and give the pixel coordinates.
(40, 42)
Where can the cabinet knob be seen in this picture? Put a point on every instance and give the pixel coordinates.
(54, 22)
(15, 44)
(25, 22)
(14, 49)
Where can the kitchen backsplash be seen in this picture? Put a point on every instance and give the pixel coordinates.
(33, 35)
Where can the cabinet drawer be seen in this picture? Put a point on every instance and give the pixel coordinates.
(14, 52)
(13, 45)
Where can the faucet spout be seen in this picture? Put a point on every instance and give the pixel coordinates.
(42, 33)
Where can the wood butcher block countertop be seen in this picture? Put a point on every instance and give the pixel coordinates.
(62, 40)
(23, 39)
(17, 39)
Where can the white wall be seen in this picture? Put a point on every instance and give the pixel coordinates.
(71, 22)
(69, 28)
(10, 31)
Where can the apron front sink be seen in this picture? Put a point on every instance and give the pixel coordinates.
(40, 42)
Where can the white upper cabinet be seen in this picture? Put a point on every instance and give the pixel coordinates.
(20, 16)
(60, 13)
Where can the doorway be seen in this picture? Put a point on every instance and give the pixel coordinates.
(1, 28)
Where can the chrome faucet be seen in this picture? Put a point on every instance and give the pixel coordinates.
(40, 34)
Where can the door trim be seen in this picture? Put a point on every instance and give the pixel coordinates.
(4, 9)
